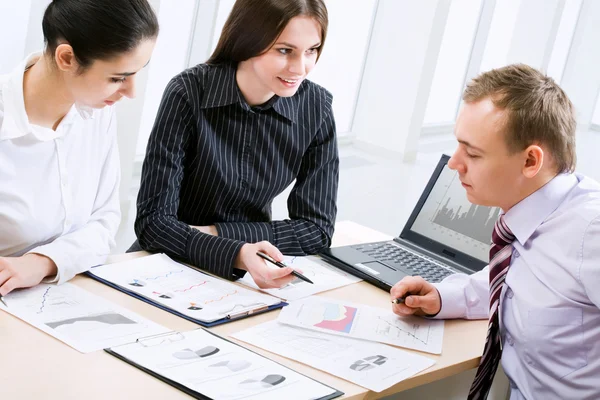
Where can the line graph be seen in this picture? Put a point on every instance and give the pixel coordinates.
(394, 329)
(44, 297)
(164, 275)
(186, 290)
(191, 287)
(221, 298)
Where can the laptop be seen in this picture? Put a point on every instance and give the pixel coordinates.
(445, 234)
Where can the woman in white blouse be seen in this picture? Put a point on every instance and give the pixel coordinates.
(59, 168)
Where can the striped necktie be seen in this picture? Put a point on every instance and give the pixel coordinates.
(500, 254)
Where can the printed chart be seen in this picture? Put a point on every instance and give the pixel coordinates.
(324, 276)
(364, 322)
(372, 365)
(82, 320)
(220, 369)
(182, 288)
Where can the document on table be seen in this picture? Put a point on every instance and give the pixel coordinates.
(205, 365)
(78, 318)
(324, 276)
(363, 322)
(187, 291)
(374, 366)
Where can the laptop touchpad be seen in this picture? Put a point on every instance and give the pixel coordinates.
(375, 267)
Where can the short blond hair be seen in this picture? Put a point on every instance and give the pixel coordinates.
(537, 110)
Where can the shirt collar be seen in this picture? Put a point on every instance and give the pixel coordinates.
(16, 122)
(526, 216)
(221, 90)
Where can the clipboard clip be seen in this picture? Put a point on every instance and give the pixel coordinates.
(157, 340)
(247, 311)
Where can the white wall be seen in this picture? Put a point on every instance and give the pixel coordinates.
(14, 20)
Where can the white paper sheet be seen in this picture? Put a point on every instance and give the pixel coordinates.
(324, 276)
(79, 318)
(220, 369)
(374, 366)
(363, 322)
(182, 288)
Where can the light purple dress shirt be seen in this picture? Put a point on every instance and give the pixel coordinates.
(550, 304)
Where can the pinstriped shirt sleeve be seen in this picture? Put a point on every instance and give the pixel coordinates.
(157, 225)
(311, 203)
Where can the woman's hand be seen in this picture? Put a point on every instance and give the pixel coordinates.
(25, 271)
(266, 277)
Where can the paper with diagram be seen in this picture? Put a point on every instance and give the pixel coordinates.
(363, 322)
(219, 369)
(324, 276)
(77, 317)
(375, 366)
(185, 290)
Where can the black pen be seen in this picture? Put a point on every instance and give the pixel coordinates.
(399, 300)
(2, 300)
(282, 265)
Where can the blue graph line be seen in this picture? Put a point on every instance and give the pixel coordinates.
(163, 276)
(292, 260)
(44, 300)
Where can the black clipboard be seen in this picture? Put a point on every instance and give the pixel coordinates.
(191, 392)
(230, 318)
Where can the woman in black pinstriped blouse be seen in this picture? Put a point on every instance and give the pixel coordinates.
(232, 134)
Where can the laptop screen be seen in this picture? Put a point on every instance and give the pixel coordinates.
(448, 218)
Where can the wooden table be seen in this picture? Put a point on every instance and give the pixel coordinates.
(37, 366)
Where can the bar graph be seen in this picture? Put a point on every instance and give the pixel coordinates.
(449, 218)
(477, 222)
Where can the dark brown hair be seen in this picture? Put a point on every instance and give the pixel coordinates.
(98, 30)
(537, 110)
(254, 25)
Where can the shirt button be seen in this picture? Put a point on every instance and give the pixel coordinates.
(516, 254)
(510, 340)
(509, 293)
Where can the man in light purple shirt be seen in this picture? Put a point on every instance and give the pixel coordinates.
(516, 134)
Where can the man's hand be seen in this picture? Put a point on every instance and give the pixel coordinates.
(25, 271)
(420, 297)
(265, 276)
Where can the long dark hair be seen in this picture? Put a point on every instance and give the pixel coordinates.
(98, 29)
(254, 25)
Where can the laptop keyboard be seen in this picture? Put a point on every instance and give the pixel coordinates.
(407, 261)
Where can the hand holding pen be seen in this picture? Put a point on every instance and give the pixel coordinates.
(282, 265)
(414, 295)
(264, 276)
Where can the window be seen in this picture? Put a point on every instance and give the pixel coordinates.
(564, 37)
(452, 61)
(500, 35)
(169, 58)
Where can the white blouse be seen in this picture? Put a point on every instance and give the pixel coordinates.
(59, 190)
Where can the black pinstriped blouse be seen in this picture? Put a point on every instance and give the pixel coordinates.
(213, 159)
